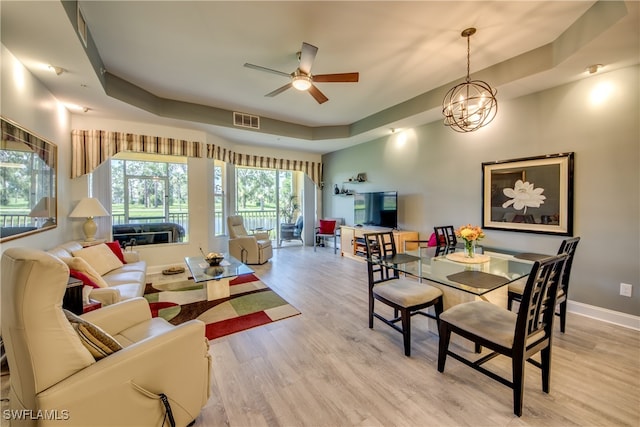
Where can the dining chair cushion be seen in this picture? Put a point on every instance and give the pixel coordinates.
(406, 293)
(517, 286)
(485, 320)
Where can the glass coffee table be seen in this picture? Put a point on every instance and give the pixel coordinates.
(217, 278)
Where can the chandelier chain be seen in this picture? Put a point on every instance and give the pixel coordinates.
(468, 58)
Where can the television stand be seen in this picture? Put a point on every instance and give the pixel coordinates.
(352, 244)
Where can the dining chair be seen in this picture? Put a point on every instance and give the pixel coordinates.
(407, 297)
(516, 288)
(517, 336)
(445, 235)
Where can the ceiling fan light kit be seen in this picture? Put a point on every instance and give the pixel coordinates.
(302, 79)
(301, 82)
(471, 104)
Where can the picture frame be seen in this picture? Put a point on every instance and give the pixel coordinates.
(532, 195)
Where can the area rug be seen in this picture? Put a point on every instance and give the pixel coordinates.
(251, 304)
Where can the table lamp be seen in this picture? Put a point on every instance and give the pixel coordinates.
(45, 208)
(89, 208)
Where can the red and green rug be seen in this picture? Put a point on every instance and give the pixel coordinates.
(251, 304)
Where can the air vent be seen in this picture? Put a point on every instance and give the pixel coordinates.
(246, 120)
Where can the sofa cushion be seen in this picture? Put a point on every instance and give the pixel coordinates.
(82, 266)
(100, 257)
(117, 250)
(86, 280)
(124, 277)
(98, 342)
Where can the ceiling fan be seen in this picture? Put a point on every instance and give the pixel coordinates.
(302, 79)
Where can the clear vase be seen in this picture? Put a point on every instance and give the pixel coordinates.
(470, 248)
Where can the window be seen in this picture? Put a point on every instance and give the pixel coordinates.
(219, 206)
(149, 201)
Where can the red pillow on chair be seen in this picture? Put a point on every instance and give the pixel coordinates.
(327, 226)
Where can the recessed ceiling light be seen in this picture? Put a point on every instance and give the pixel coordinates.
(57, 70)
(592, 69)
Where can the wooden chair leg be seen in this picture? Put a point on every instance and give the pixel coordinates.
(545, 361)
(406, 331)
(517, 364)
(563, 315)
(443, 347)
(371, 307)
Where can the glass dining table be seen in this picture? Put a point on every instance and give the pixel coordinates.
(484, 277)
(489, 270)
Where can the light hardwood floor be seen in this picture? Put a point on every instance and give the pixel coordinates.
(325, 367)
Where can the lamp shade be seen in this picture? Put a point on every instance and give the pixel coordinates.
(45, 208)
(87, 208)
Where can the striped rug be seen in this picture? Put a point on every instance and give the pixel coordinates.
(251, 304)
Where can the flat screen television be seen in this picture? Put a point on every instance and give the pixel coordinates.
(378, 209)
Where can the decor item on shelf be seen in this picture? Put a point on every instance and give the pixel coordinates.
(336, 190)
(470, 234)
(362, 177)
(472, 104)
(89, 207)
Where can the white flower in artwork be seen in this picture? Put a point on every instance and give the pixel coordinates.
(523, 196)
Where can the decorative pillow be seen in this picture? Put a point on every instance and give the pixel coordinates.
(98, 342)
(432, 240)
(117, 250)
(86, 280)
(327, 226)
(100, 257)
(83, 266)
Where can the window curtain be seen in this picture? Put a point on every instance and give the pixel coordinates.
(91, 148)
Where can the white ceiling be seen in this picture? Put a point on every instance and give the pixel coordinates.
(194, 52)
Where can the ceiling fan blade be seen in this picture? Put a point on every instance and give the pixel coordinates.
(279, 90)
(268, 70)
(342, 77)
(319, 96)
(307, 56)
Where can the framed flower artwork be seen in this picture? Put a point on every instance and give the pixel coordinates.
(533, 195)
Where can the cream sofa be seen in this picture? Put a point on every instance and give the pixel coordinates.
(125, 282)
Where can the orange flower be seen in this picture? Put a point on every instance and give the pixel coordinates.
(469, 232)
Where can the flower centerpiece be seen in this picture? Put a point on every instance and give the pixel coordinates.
(470, 234)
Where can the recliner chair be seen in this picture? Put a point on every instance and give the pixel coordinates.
(52, 372)
(248, 248)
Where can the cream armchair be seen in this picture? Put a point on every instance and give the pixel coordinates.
(248, 248)
(52, 372)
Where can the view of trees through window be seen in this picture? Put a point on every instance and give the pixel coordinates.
(150, 192)
(266, 197)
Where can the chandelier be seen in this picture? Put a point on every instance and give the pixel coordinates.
(469, 105)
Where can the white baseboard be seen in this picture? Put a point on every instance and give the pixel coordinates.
(604, 314)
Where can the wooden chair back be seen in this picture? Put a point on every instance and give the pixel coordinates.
(380, 245)
(445, 235)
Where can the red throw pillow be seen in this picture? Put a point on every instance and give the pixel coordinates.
(117, 250)
(327, 227)
(432, 240)
(86, 280)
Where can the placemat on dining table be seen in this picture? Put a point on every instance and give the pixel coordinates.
(529, 256)
(478, 279)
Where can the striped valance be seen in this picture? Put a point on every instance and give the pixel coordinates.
(90, 148)
(312, 169)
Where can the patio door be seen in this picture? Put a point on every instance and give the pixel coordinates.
(267, 198)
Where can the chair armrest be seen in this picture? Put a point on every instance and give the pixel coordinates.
(107, 296)
(245, 241)
(261, 235)
(132, 256)
(151, 364)
(115, 318)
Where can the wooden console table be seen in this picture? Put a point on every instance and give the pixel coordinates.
(352, 241)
